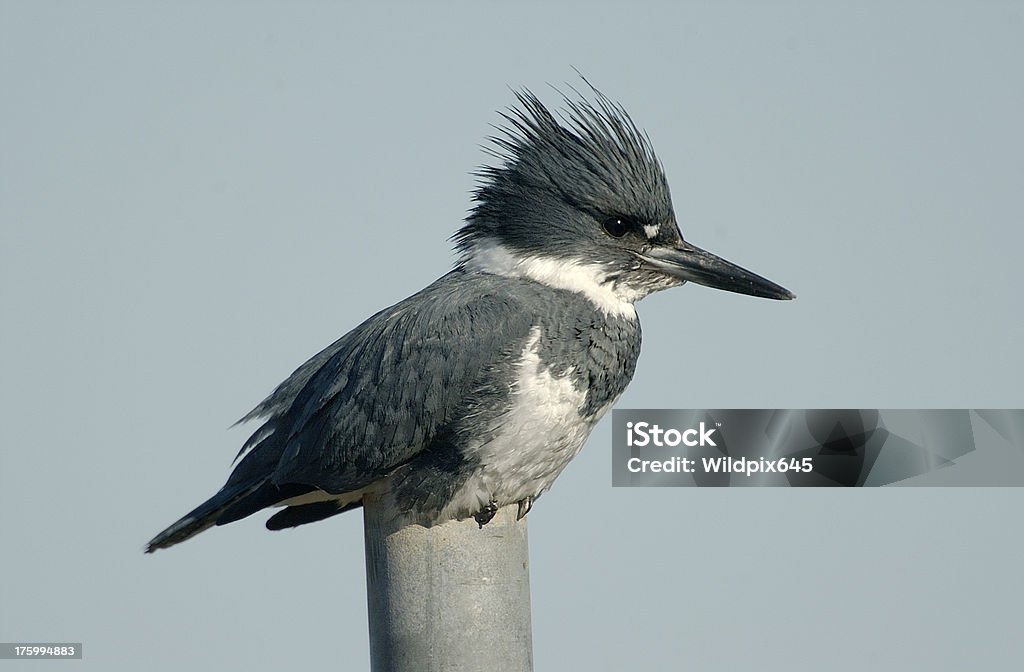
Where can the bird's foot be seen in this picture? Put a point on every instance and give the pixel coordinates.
(484, 515)
(524, 507)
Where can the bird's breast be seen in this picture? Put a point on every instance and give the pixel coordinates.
(562, 385)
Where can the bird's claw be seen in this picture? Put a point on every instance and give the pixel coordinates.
(484, 515)
(524, 507)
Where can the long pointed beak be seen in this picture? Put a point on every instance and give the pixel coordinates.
(688, 262)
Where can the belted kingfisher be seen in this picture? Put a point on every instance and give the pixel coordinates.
(477, 391)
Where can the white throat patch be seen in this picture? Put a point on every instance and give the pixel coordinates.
(574, 276)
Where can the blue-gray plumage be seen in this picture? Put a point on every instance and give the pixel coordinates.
(476, 392)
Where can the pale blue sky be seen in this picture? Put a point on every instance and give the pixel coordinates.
(195, 197)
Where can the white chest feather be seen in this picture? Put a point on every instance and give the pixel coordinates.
(532, 442)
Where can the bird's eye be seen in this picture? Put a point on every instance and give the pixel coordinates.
(616, 227)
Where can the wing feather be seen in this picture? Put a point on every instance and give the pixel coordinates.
(381, 394)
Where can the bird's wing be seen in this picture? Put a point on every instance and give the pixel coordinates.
(387, 389)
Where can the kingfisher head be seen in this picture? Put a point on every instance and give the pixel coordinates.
(580, 202)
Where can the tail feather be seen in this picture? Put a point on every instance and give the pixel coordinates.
(202, 517)
(293, 516)
(267, 494)
(247, 490)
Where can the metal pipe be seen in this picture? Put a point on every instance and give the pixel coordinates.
(449, 597)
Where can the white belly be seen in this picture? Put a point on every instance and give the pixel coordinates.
(531, 443)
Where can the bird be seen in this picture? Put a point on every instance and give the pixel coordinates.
(476, 392)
